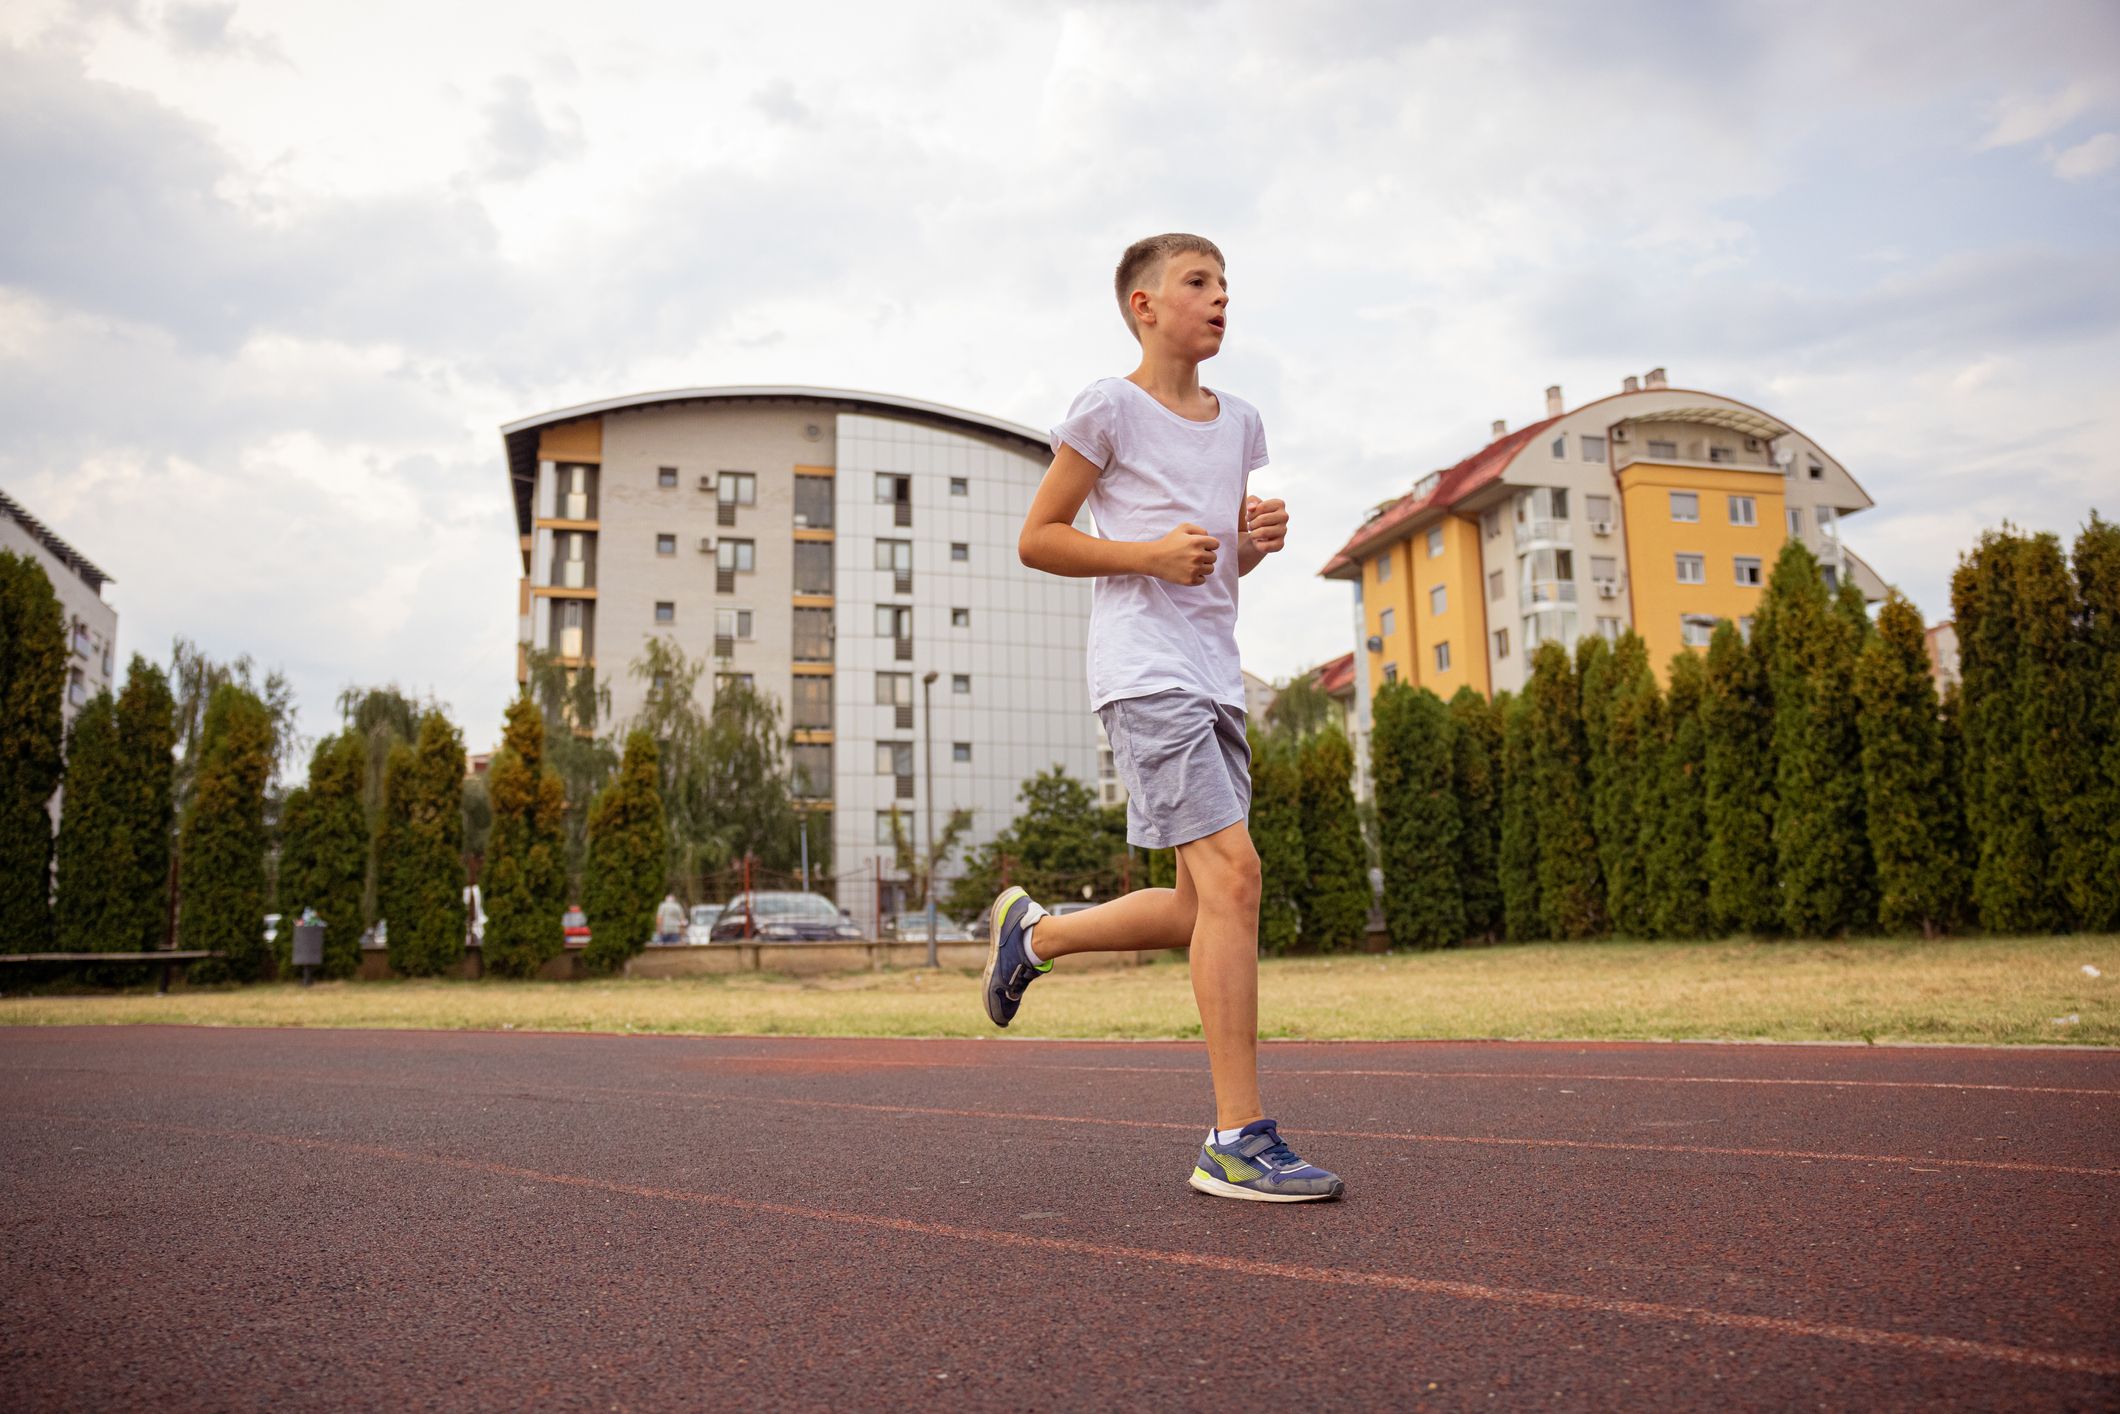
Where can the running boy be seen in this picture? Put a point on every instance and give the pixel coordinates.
(1164, 464)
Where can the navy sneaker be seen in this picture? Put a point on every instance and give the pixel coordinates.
(1258, 1165)
(1008, 969)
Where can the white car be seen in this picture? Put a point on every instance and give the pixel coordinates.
(704, 915)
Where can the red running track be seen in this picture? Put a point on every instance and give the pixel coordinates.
(236, 1218)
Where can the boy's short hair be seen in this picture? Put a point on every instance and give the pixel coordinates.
(1146, 256)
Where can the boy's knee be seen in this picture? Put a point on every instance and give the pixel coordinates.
(1229, 869)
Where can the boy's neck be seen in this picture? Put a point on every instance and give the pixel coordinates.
(1173, 380)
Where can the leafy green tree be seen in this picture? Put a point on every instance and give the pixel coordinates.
(192, 681)
(1523, 912)
(1413, 751)
(574, 701)
(225, 838)
(1821, 852)
(525, 871)
(1571, 891)
(1301, 708)
(911, 859)
(1674, 817)
(1059, 842)
(324, 852)
(32, 679)
(1623, 777)
(421, 885)
(1277, 834)
(88, 911)
(1334, 897)
(1737, 712)
(628, 855)
(1476, 780)
(2096, 885)
(1902, 776)
(147, 735)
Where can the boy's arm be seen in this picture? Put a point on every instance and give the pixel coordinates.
(1265, 531)
(1051, 543)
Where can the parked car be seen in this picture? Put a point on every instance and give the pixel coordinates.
(575, 924)
(701, 928)
(272, 927)
(911, 927)
(780, 916)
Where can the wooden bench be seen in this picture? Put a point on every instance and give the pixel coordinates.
(171, 959)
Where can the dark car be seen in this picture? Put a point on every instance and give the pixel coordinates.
(782, 917)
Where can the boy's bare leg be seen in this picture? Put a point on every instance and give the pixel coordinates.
(1143, 920)
(1225, 967)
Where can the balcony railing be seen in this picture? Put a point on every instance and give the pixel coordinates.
(905, 787)
(724, 580)
(902, 513)
(1542, 594)
(1558, 532)
(901, 581)
(725, 513)
(902, 716)
(904, 652)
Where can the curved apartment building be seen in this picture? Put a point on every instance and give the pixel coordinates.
(834, 548)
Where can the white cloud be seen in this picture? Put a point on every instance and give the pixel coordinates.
(2024, 117)
(2088, 158)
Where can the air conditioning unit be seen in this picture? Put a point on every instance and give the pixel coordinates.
(1600, 527)
(706, 483)
(1619, 432)
(1607, 589)
(706, 544)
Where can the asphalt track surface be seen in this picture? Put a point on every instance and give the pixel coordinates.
(238, 1219)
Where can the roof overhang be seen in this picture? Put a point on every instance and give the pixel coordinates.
(1748, 421)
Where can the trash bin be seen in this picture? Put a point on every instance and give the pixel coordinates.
(308, 948)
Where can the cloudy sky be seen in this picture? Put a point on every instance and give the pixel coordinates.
(275, 273)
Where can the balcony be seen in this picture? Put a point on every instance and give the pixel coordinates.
(1539, 595)
(1548, 532)
(902, 715)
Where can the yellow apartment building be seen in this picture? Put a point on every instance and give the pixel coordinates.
(1659, 509)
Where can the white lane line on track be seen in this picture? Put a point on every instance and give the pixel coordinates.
(1902, 1342)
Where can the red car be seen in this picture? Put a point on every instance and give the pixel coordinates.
(576, 925)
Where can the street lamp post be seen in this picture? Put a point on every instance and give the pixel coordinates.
(927, 713)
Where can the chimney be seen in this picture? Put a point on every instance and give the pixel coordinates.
(1655, 378)
(1553, 401)
(1632, 385)
(1501, 428)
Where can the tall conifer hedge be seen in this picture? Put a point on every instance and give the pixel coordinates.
(1334, 900)
(1476, 781)
(1737, 713)
(1906, 805)
(1523, 913)
(1571, 891)
(1674, 818)
(525, 873)
(420, 858)
(88, 908)
(147, 743)
(1413, 753)
(1623, 795)
(32, 678)
(627, 855)
(2096, 893)
(225, 839)
(1277, 834)
(324, 856)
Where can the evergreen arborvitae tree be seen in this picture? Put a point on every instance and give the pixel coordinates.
(627, 855)
(1413, 755)
(2052, 693)
(1674, 817)
(1737, 714)
(1821, 857)
(1954, 842)
(88, 912)
(1334, 898)
(1902, 775)
(420, 878)
(1277, 834)
(225, 839)
(1476, 779)
(1623, 781)
(32, 679)
(2011, 887)
(525, 872)
(1523, 915)
(2096, 893)
(324, 857)
(1571, 891)
(1593, 682)
(147, 742)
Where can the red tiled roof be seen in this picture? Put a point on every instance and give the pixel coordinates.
(1336, 675)
(1453, 485)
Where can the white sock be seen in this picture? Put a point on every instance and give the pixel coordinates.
(1224, 1136)
(1031, 916)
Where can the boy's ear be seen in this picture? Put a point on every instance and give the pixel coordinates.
(1138, 302)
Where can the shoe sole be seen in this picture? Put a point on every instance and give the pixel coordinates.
(995, 923)
(1206, 1182)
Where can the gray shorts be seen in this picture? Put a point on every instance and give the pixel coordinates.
(1185, 763)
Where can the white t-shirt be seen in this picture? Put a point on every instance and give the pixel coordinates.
(1161, 470)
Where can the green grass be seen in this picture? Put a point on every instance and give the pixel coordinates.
(1986, 990)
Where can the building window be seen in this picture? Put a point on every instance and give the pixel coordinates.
(1832, 577)
(1692, 569)
(1435, 542)
(1796, 521)
(1438, 599)
(1663, 449)
(665, 612)
(732, 623)
(885, 836)
(1608, 629)
(810, 703)
(1386, 622)
(894, 689)
(1695, 630)
(665, 544)
(1599, 508)
(1391, 672)
(960, 486)
(894, 621)
(1491, 522)
(960, 618)
(813, 503)
(960, 552)
(1560, 446)
(960, 682)
(737, 556)
(1501, 643)
(960, 751)
(1748, 569)
(895, 491)
(1384, 568)
(1721, 454)
(1494, 584)
(666, 476)
(723, 682)
(1818, 469)
(1743, 511)
(811, 767)
(1425, 487)
(896, 557)
(1593, 448)
(1685, 505)
(736, 488)
(894, 758)
(1442, 657)
(813, 567)
(1604, 568)
(813, 636)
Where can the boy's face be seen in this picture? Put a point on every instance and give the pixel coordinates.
(1187, 310)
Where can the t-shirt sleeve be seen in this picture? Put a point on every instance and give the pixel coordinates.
(1088, 427)
(1255, 455)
